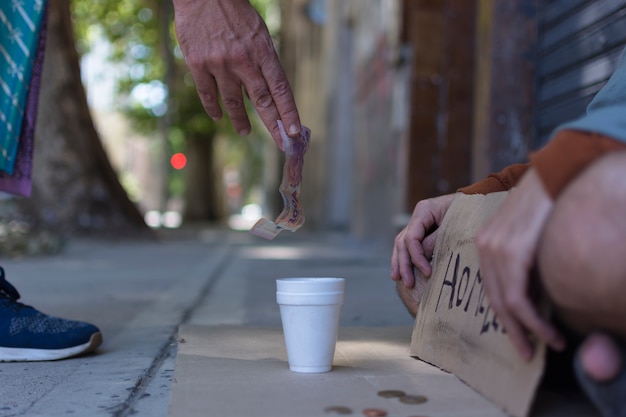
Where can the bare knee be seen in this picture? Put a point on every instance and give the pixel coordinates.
(582, 252)
(564, 257)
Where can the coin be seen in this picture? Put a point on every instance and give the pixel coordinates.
(374, 412)
(413, 399)
(391, 393)
(338, 410)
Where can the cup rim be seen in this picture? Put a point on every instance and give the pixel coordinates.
(310, 279)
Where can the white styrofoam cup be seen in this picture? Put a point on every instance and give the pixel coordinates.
(309, 311)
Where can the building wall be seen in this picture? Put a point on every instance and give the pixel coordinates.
(408, 99)
(378, 105)
(344, 69)
(441, 36)
(504, 84)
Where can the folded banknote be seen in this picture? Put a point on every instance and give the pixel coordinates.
(292, 216)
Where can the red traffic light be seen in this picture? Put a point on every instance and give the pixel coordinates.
(178, 160)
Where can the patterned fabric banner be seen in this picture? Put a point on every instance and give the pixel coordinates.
(20, 23)
(20, 182)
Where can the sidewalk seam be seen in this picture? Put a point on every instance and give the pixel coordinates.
(137, 392)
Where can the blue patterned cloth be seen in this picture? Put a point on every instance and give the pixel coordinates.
(20, 24)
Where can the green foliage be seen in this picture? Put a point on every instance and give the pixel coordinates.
(133, 29)
(135, 32)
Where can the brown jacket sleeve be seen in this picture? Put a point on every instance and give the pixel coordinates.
(500, 181)
(557, 163)
(568, 154)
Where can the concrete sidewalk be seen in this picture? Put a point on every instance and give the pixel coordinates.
(139, 293)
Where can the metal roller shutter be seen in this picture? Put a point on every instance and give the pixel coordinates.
(578, 47)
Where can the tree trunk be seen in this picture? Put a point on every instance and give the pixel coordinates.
(201, 201)
(75, 189)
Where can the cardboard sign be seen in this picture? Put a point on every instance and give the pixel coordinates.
(455, 328)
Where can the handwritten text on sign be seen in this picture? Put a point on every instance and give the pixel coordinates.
(456, 329)
(463, 288)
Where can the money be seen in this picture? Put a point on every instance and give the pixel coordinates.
(413, 399)
(374, 412)
(338, 410)
(292, 216)
(391, 393)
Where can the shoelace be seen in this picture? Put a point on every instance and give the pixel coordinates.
(9, 293)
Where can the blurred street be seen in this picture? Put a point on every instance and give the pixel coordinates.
(139, 292)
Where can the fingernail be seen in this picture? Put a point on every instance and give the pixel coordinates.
(293, 130)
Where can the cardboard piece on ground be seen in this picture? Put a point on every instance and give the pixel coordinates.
(455, 328)
(233, 371)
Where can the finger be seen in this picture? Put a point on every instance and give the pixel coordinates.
(402, 266)
(282, 95)
(395, 269)
(518, 305)
(260, 96)
(417, 256)
(423, 265)
(522, 309)
(517, 334)
(207, 91)
(514, 330)
(232, 98)
(406, 269)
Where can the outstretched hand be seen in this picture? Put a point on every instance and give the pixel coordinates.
(414, 245)
(507, 247)
(227, 47)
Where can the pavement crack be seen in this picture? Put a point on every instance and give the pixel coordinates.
(138, 391)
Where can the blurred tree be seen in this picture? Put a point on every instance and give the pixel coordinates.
(75, 188)
(143, 40)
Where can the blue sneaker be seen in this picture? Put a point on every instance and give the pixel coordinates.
(29, 335)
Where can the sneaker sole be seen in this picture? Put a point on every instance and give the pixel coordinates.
(33, 355)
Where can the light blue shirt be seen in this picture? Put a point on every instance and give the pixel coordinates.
(606, 114)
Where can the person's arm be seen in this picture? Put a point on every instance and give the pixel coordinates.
(507, 243)
(507, 247)
(500, 181)
(228, 48)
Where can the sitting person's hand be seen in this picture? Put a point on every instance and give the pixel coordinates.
(414, 245)
(507, 249)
